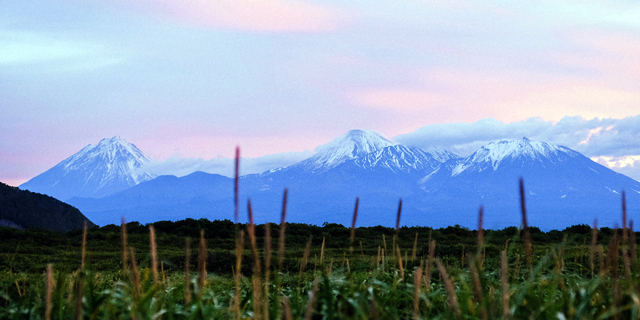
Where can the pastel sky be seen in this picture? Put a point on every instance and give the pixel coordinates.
(188, 80)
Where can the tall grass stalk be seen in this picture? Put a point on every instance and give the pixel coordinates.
(594, 242)
(267, 269)
(451, 293)
(504, 277)
(202, 263)
(48, 305)
(417, 283)
(154, 252)
(283, 226)
(236, 187)
(353, 226)
(415, 248)
(123, 230)
(187, 271)
(237, 274)
(84, 244)
(525, 224)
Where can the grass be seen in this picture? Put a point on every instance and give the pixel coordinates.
(144, 272)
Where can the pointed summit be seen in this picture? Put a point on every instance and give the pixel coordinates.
(95, 171)
(351, 145)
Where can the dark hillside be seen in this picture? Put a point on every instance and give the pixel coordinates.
(33, 210)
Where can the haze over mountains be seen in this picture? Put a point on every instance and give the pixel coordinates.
(438, 188)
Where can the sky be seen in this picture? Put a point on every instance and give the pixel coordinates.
(189, 80)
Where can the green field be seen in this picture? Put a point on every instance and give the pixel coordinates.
(383, 273)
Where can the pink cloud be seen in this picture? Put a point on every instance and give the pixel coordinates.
(452, 95)
(248, 15)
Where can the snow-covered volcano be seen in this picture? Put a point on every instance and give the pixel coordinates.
(563, 187)
(95, 171)
(367, 149)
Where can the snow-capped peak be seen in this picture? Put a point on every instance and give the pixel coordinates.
(496, 152)
(351, 145)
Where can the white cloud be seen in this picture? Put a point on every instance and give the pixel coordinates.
(179, 166)
(614, 143)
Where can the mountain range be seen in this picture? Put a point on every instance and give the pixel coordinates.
(438, 188)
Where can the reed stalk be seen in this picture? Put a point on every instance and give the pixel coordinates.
(267, 270)
(480, 228)
(395, 237)
(251, 230)
(527, 237)
(429, 267)
(238, 274)
(135, 275)
(48, 292)
(305, 255)
(154, 257)
(477, 288)
(187, 271)
(594, 242)
(312, 300)
(632, 246)
(400, 263)
(287, 309)
(123, 229)
(504, 277)
(283, 226)
(84, 244)
(322, 252)
(451, 294)
(417, 281)
(202, 263)
(236, 187)
(415, 248)
(353, 226)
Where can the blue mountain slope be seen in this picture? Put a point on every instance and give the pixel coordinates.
(562, 187)
(95, 171)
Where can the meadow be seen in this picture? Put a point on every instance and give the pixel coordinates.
(201, 269)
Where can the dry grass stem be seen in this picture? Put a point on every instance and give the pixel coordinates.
(525, 225)
(305, 255)
(400, 263)
(287, 309)
(477, 288)
(322, 251)
(480, 228)
(267, 269)
(312, 299)
(504, 277)
(123, 230)
(48, 292)
(415, 248)
(353, 226)
(417, 281)
(202, 262)
(236, 187)
(594, 242)
(251, 229)
(451, 294)
(632, 246)
(238, 274)
(429, 267)
(79, 295)
(282, 230)
(84, 244)
(187, 271)
(135, 275)
(154, 257)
